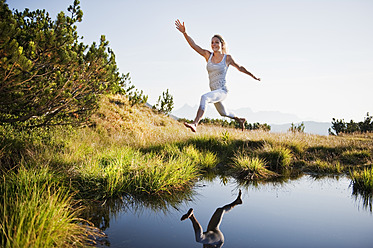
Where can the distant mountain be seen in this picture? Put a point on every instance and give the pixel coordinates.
(276, 117)
(279, 122)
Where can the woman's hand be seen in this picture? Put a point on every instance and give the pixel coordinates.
(198, 49)
(179, 26)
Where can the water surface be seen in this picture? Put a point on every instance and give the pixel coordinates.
(306, 212)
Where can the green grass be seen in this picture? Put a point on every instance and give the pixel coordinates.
(250, 168)
(37, 212)
(278, 157)
(127, 170)
(363, 180)
(362, 185)
(203, 159)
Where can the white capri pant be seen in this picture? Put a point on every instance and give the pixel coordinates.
(216, 97)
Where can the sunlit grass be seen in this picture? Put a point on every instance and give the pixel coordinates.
(250, 168)
(278, 157)
(363, 180)
(127, 170)
(203, 159)
(37, 212)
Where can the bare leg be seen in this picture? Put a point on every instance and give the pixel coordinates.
(194, 124)
(241, 121)
(218, 215)
(198, 231)
(227, 113)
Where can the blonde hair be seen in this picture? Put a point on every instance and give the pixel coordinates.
(224, 47)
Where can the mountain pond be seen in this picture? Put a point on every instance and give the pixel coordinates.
(308, 211)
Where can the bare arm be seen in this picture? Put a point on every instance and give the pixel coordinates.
(198, 49)
(230, 61)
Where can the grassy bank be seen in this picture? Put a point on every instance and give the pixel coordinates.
(37, 211)
(134, 151)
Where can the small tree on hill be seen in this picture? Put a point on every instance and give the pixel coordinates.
(134, 95)
(297, 128)
(165, 103)
(339, 126)
(367, 124)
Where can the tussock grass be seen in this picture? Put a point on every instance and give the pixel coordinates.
(362, 184)
(250, 168)
(37, 212)
(204, 159)
(129, 171)
(363, 180)
(278, 157)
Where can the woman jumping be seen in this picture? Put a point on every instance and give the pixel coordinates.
(217, 66)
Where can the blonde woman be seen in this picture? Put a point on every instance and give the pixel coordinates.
(217, 65)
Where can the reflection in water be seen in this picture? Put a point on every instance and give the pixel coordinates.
(100, 213)
(366, 198)
(299, 201)
(213, 237)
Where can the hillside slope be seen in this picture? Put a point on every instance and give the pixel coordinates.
(137, 124)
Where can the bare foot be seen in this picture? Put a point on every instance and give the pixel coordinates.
(187, 215)
(193, 127)
(239, 200)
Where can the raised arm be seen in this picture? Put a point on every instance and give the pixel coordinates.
(198, 49)
(230, 61)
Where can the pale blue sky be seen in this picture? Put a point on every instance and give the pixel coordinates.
(315, 57)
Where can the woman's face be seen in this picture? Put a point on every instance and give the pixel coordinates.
(215, 44)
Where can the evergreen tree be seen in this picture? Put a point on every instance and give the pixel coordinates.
(367, 124)
(47, 75)
(297, 128)
(165, 103)
(339, 126)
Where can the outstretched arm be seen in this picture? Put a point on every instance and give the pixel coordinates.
(198, 49)
(230, 61)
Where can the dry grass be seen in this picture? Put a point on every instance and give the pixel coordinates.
(137, 125)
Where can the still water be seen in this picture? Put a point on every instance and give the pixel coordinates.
(306, 212)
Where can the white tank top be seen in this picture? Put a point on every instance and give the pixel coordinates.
(217, 73)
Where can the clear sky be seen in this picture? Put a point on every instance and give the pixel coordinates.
(315, 57)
